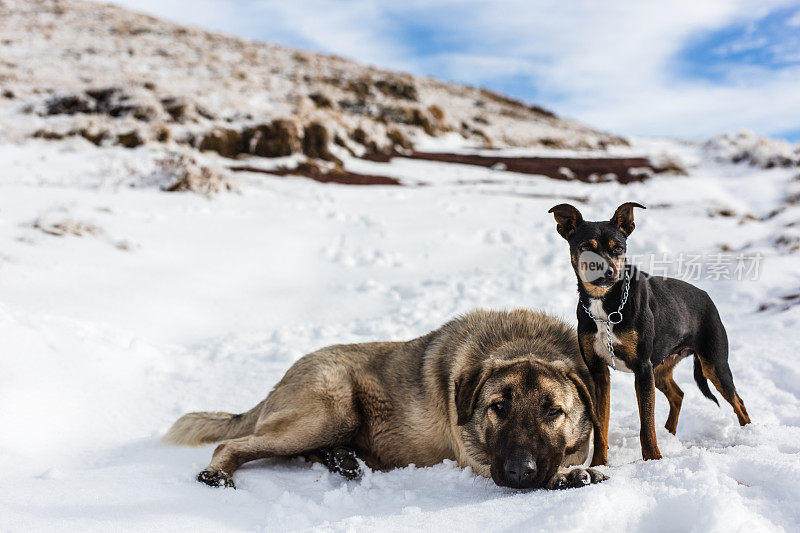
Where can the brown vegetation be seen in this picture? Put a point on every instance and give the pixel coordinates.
(179, 172)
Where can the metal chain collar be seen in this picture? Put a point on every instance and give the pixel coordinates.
(612, 319)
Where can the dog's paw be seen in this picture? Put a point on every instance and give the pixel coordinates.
(575, 478)
(558, 481)
(215, 479)
(341, 460)
(579, 477)
(651, 455)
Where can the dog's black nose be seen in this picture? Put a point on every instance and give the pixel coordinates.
(609, 273)
(520, 470)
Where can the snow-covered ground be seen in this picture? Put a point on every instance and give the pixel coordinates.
(170, 302)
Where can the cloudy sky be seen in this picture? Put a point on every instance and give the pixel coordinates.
(689, 68)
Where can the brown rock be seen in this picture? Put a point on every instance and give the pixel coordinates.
(176, 107)
(94, 135)
(437, 113)
(360, 136)
(69, 104)
(321, 100)
(163, 134)
(398, 88)
(130, 139)
(316, 142)
(398, 139)
(279, 138)
(48, 135)
(421, 119)
(226, 142)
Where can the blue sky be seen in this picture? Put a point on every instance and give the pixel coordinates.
(687, 68)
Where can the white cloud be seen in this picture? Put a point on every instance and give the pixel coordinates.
(612, 64)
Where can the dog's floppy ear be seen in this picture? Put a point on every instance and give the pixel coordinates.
(568, 219)
(467, 390)
(586, 396)
(623, 217)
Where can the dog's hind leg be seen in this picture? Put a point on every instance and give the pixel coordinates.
(713, 354)
(666, 384)
(311, 421)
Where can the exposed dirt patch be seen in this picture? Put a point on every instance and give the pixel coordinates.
(316, 173)
(589, 170)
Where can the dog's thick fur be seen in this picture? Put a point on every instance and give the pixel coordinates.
(663, 321)
(506, 393)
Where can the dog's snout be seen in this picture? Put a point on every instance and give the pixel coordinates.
(520, 470)
(609, 273)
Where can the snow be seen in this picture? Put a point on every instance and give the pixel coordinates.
(209, 301)
(759, 151)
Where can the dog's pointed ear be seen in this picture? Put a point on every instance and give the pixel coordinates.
(586, 396)
(467, 388)
(623, 217)
(568, 219)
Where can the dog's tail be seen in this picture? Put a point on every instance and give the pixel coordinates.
(194, 429)
(702, 382)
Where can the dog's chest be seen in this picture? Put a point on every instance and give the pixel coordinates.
(600, 341)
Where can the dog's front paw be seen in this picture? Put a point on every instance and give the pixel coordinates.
(651, 455)
(558, 481)
(577, 477)
(215, 479)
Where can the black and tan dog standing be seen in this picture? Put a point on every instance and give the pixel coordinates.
(653, 323)
(506, 393)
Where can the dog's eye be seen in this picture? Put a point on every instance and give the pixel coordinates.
(500, 408)
(554, 412)
(585, 247)
(618, 249)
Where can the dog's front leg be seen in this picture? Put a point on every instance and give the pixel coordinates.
(646, 396)
(602, 383)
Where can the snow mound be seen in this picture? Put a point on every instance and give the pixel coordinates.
(746, 147)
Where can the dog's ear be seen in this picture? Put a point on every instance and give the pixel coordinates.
(468, 387)
(623, 217)
(586, 396)
(568, 219)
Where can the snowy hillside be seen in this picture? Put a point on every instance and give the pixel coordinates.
(77, 68)
(123, 305)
